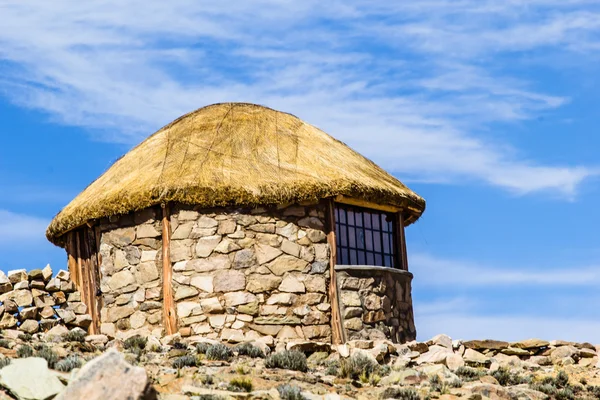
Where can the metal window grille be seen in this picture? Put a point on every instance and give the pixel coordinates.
(365, 237)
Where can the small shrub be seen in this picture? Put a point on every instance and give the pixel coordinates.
(70, 363)
(74, 336)
(185, 361)
(250, 350)
(202, 347)
(179, 346)
(4, 362)
(242, 369)
(209, 397)
(26, 337)
(240, 385)
(468, 374)
(135, 342)
(24, 351)
(507, 378)
(287, 359)
(358, 366)
(47, 354)
(565, 394)
(207, 380)
(289, 392)
(595, 391)
(583, 381)
(4, 343)
(400, 393)
(545, 388)
(333, 368)
(456, 383)
(219, 352)
(561, 380)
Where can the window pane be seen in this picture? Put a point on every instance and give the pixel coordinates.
(369, 240)
(361, 258)
(350, 217)
(370, 259)
(386, 243)
(377, 241)
(342, 216)
(351, 237)
(353, 257)
(360, 238)
(388, 261)
(378, 259)
(367, 216)
(376, 224)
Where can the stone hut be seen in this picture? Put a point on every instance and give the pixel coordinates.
(237, 221)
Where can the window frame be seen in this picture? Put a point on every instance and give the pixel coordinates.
(363, 255)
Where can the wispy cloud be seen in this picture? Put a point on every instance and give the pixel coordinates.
(434, 271)
(424, 80)
(17, 228)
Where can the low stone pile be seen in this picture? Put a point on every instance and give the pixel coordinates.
(38, 301)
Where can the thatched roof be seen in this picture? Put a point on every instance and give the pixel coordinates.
(233, 154)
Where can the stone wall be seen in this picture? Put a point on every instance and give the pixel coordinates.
(239, 274)
(376, 303)
(131, 256)
(36, 301)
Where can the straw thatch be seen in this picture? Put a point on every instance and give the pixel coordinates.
(233, 154)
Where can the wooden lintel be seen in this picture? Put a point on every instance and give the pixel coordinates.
(169, 315)
(337, 329)
(367, 204)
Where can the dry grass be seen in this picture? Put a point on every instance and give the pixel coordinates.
(234, 154)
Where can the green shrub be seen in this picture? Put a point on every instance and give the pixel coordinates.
(287, 359)
(202, 347)
(468, 374)
(179, 346)
(594, 390)
(4, 362)
(207, 380)
(561, 380)
(358, 366)
(507, 378)
(135, 342)
(74, 336)
(24, 351)
(456, 383)
(565, 394)
(289, 392)
(250, 350)
(219, 352)
(400, 393)
(69, 363)
(332, 368)
(26, 337)
(240, 385)
(4, 343)
(47, 354)
(209, 397)
(185, 361)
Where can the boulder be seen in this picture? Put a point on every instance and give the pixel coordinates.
(440, 340)
(475, 358)
(109, 376)
(531, 344)
(486, 344)
(435, 355)
(30, 378)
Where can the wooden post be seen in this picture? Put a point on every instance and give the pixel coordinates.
(169, 316)
(401, 243)
(337, 329)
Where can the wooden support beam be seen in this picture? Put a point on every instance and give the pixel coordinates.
(366, 204)
(338, 335)
(169, 315)
(401, 242)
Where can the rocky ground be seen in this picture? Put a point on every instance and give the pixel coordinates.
(65, 364)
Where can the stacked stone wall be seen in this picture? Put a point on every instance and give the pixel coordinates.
(131, 256)
(376, 303)
(37, 301)
(239, 274)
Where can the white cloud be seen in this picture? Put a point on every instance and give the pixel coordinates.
(15, 228)
(433, 271)
(417, 91)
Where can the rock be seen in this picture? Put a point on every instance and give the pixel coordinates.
(435, 355)
(285, 299)
(29, 326)
(203, 282)
(319, 267)
(515, 351)
(114, 314)
(35, 274)
(226, 246)
(21, 285)
(8, 321)
(291, 248)
(206, 245)
(229, 281)
(28, 313)
(561, 353)
(63, 275)
(531, 344)
(118, 280)
(286, 263)
(184, 292)
(454, 361)
(485, 344)
(30, 378)
(291, 284)
(350, 299)
(417, 346)
(17, 275)
(308, 347)
(108, 376)
(58, 330)
(211, 305)
(244, 259)
(475, 358)
(147, 231)
(265, 253)
(262, 283)
(146, 272)
(233, 299)
(440, 340)
(47, 273)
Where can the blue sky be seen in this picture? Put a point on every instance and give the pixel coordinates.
(488, 109)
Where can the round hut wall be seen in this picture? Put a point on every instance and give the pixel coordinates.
(238, 274)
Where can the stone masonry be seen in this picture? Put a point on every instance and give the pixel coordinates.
(238, 274)
(376, 303)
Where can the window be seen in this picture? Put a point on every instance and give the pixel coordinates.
(365, 237)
